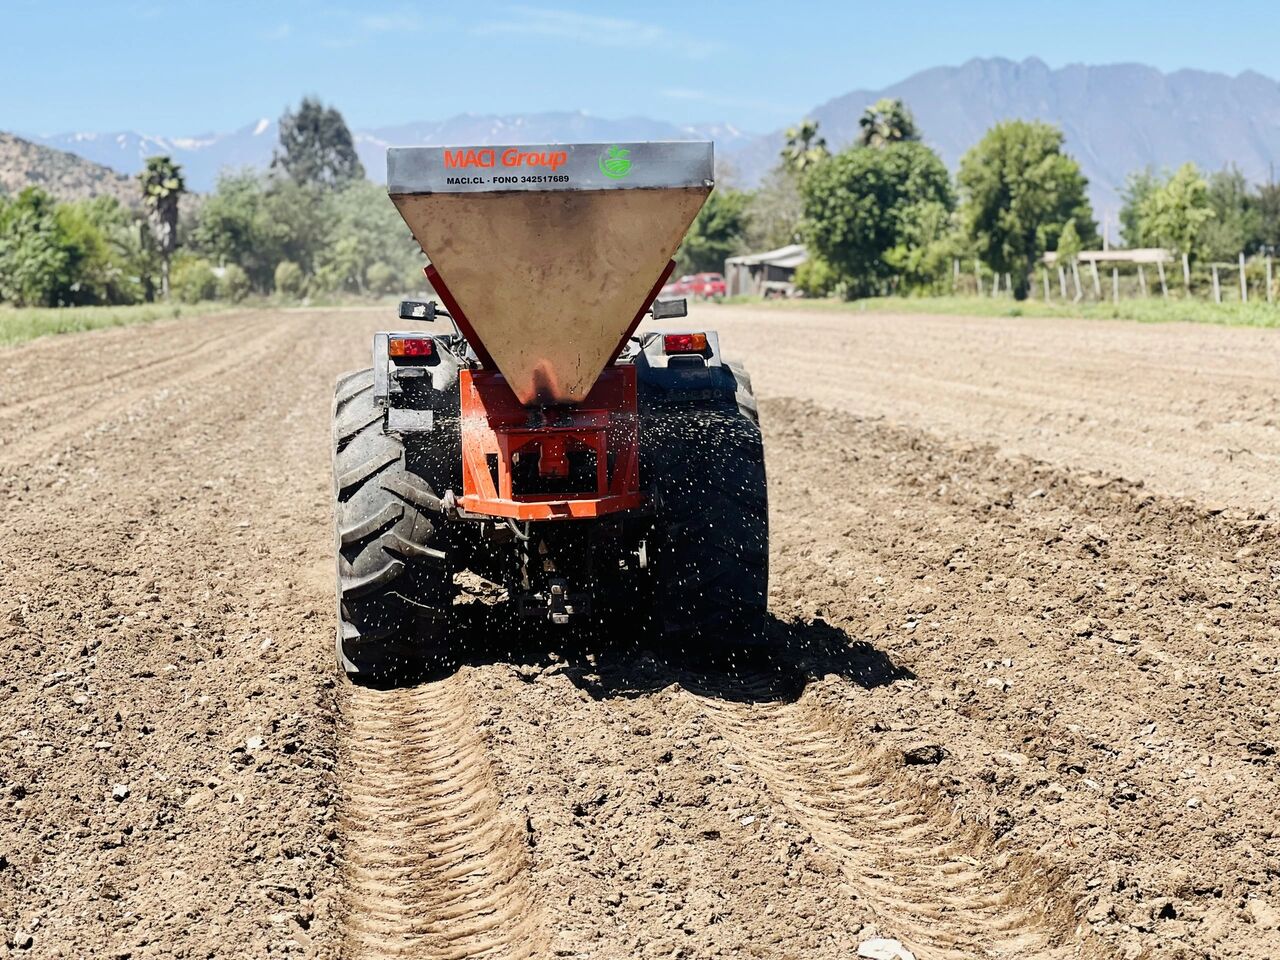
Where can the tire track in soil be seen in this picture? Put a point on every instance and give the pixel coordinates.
(433, 868)
(926, 877)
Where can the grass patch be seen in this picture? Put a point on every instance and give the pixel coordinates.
(1154, 310)
(17, 325)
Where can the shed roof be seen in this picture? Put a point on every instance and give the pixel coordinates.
(789, 256)
(1135, 255)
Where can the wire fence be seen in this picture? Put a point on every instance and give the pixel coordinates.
(1248, 280)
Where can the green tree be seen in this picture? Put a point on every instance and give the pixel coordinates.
(927, 245)
(194, 279)
(1267, 202)
(805, 147)
(364, 229)
(1069, 244)
(717, 232)
(290, 280)
(89, 264)
(232, 227)
(816, 277)
(1237, 224)
(382, 279)
(162, 185)
(257, 221)
(888, 120)
(775, 211)
(36, 260)
(862, 204)
(1138, 185)
(299, 221)
(1175, 213)
(111, 264)
(316, 148)
(234, 283)
(1019, 190)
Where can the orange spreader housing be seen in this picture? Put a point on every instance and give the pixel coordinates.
(497, 430)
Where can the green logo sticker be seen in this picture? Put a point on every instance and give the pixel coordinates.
(614, 164)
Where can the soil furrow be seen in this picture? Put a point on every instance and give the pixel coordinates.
(25, 395)
(132, 401)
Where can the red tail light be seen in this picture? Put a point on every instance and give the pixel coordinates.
(411, 346)
(684, 343)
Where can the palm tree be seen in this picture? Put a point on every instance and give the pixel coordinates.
(805, 147)
(162, 184)
(887, 121)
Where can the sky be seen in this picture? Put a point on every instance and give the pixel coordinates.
(188, 68)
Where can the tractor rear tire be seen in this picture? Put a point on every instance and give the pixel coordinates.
(395, 583)
(711, 556)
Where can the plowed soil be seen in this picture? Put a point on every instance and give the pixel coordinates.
(1023, 698)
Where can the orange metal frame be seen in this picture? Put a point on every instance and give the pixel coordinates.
(495, 424)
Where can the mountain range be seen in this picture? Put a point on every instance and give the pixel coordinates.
(1116, 119)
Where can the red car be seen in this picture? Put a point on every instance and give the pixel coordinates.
(707, 285)
(704, 286)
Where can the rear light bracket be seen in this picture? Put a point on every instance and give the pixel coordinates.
(673, 376)
(388, 371)
(651, 345)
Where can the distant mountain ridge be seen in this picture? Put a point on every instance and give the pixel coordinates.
(62, 174)
(1117, 118)
(201, 156)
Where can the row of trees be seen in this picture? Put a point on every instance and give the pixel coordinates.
(1214, 217)
(312, 224)
(885, 215)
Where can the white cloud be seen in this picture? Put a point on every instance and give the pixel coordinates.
(279, 32)
(595, 30)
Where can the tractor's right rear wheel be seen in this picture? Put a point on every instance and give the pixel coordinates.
(711, 551)
(395, 582)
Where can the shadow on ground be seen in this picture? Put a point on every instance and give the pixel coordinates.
(775, 666)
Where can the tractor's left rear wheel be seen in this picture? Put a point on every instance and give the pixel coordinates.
(394, 574)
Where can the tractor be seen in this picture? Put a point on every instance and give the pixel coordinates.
(524, 431)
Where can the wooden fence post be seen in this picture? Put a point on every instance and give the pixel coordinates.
(1008, 283)
(1062, 281)
(1244, 281)
(977, 275)
(1097, 285)
(1046, 284)
(1075, 279)
(1186, 273)
(1269, 294)
(1115, 284)
(1142, 280)
(1164, 290)
(1217, 289)
(955, 275)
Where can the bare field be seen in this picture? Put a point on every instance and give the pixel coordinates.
(1025, 700)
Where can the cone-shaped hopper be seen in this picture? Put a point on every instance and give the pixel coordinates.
(550, 251)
